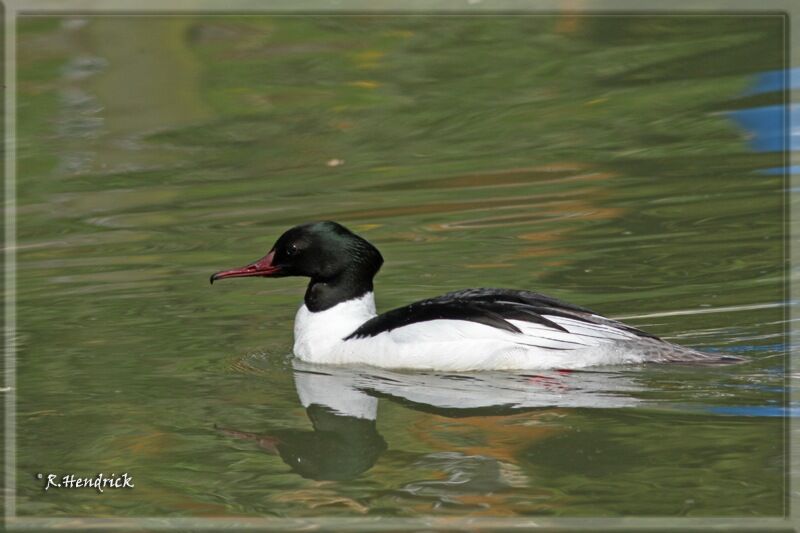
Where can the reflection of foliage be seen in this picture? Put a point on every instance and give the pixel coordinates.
(600, 459)
(465, 86)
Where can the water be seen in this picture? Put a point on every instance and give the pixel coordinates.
(593, 159)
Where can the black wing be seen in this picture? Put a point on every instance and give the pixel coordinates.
(492, 307)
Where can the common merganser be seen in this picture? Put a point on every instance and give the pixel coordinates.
(472, 329)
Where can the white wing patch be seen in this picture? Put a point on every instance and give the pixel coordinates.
(590, 333)
(444, 330)
(579, 334)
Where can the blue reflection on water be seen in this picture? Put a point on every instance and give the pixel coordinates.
(769, 126)
(778, 171)
(774, 80)
(746, 410)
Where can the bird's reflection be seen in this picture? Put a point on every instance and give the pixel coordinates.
(342, 405)
(339, 447)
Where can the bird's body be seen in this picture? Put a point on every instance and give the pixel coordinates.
(473, 329)
(352, 332)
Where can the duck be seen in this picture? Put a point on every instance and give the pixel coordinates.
(466, 330)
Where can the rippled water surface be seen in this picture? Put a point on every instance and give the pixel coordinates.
(599, 160)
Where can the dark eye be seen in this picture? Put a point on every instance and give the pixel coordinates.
(291, 249)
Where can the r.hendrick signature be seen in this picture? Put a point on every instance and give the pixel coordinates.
(99, 482)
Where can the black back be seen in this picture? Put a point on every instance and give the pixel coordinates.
(492, 307)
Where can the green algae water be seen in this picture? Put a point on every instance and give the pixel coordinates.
(625, 164)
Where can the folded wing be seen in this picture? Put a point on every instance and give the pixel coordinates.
(528, 315)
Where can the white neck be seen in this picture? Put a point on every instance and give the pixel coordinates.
(315, 334)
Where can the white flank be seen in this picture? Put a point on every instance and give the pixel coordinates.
(453, 345)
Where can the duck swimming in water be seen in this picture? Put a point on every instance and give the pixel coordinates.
(471, 329)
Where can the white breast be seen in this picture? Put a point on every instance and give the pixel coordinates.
(317, 334)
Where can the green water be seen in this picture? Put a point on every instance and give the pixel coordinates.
(586, 158)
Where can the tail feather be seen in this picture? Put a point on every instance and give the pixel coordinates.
(660, 351)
